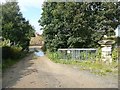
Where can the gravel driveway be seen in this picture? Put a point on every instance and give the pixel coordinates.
(43, 73)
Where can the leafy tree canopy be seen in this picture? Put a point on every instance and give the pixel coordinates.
(78, 24)
(14, 25)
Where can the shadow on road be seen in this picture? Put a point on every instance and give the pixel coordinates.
(17, 71)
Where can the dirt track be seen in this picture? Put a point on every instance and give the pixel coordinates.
(43, 73)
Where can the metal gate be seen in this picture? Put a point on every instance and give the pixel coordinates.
(77, 53)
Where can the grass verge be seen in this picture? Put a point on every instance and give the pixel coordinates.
(11, 55)
(10, 62)
(93, 66)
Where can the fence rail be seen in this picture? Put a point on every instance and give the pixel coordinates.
(77, 53)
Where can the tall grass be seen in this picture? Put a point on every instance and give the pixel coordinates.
(115, 54)
(4, 43)
(11, 55)
(94, 66)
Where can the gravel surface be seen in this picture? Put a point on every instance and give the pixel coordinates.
(43, 73)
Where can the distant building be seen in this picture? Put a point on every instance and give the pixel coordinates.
(117, 31)
(36, 41)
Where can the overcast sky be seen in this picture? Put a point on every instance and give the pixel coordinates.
(31, 10)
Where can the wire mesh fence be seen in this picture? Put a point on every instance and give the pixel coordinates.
(77, 53)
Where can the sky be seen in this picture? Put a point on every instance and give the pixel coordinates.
(31, 10)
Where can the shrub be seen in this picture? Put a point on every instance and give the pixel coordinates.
(6, 52)
(11, 55)
(4, 43)
(115, 54)
(10, 52)
(43, 48)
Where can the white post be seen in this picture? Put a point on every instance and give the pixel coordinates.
(106, 54)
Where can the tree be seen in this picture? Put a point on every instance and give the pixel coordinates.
(0, 20)
(14, 26)
(78, 25)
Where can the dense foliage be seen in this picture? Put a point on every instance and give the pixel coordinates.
(16, 33)
(14, 26)
(78, 24)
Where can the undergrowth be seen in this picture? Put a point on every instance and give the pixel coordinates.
(11, 55)
(94, 66)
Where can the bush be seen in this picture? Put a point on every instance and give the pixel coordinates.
(6, 52)
(11, 55)
(10, 52)
(115, 54)
(4, 43)
(43, 48)
(16, 52)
